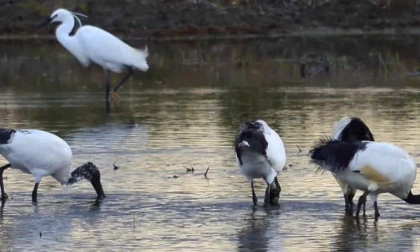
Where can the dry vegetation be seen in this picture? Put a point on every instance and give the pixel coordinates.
(216, 17)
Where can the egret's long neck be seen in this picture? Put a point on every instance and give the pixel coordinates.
(63, 32)
(412, 199)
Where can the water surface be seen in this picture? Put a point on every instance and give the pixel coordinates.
(185, 113)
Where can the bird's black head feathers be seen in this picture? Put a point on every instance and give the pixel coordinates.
(356, 130)
(252, 132)
(335, 155)
(5, 135)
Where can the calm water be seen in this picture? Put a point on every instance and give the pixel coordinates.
(184, 113)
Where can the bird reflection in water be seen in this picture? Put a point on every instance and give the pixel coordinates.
(260, 230)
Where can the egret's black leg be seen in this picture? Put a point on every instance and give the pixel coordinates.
(3, 193)
(375, 205)
(254, 197)
(35, 193)
(129, 73)
(107, 85)
(362, 200)
(107, 90)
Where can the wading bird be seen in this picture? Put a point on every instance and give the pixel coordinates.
(260, 153)
(373, 167)
(92, 44)
(350, 129)
(41, 153)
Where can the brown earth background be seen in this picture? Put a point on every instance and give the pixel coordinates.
(206, 18)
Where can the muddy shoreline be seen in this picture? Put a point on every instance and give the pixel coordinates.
(189, 20)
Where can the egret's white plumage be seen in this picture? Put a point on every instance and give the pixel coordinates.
(41, 153)
(350, 129)
(373, 167)
(92, 44)
(260, 153)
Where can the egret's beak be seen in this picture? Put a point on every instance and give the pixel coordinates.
(46, 21)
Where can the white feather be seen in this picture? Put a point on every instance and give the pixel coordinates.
(392, 162)
(39, 153)
(106, 50)
(339, 126)
(91, 43)
(276, 153)
(259, 166)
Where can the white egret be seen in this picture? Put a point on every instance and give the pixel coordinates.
(373, 167)
(92, 44)
(350, 129)
(41, 153)
(260, 153)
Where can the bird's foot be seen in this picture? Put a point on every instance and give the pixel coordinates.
(114, 96)
(274, 197)
(4, 196)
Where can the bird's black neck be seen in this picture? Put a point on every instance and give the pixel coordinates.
(412, 199)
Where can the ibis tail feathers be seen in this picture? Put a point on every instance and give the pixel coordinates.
(334, 155)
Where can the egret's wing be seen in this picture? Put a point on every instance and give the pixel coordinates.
(103, 46)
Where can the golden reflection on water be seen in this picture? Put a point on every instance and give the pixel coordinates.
(157, 130)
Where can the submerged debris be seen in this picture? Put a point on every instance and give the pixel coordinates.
(205, 174)
(190, 169)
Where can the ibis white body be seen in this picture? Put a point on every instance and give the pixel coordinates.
(39, 153)
(381, 168)
(373, 167)
(260, 153)
(350, 129)
(257, 165)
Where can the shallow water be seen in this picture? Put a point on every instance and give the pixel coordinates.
(184, 113)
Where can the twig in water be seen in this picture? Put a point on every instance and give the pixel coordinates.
(300, 150)
(115, 167)
(205, 174)
(190, 169)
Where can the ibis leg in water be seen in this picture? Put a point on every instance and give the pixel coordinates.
(35, 193)
(267, 197)
(375, 205)
(348, 199)
(362, 201)
(275, 192)
(254, 196)
(3, 193)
